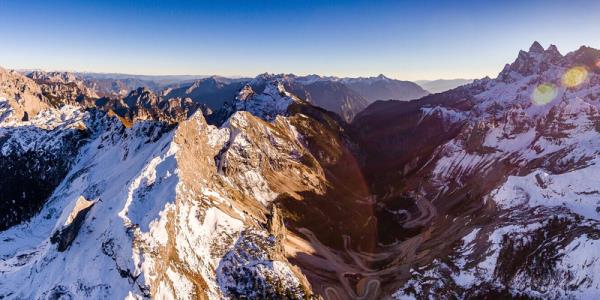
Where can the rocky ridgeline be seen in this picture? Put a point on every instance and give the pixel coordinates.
(63, 88)
(120, 186)
(22, 94)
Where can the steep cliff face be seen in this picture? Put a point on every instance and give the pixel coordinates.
(22, 94)
(213, 92)
(143, 104)
(333, 96)
(63, 88)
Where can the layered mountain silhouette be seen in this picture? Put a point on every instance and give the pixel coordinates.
(344, 96)
(442, 85)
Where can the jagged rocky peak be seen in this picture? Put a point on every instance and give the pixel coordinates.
(535, 61)
(22, 94)
(553, 50)
(382, 77)
(55, 77)
(143, 104)
(141, 96)
(274, 100)
(586, 56)
(61, 88)
(536, 47)
(245, 93)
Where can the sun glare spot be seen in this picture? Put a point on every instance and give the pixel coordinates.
(598, 63)
(543, 94)
(574, 77)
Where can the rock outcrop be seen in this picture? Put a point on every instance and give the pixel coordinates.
(63, 88)
(22, 94)
(64, 236)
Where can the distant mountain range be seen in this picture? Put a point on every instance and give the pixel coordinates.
(442, 85)
(384, 88)
(344, 96)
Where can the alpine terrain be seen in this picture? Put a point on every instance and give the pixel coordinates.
(303, 187)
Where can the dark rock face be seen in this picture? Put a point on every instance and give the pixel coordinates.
(213, 92)
(66, 235)
(143, 104)
(333, 96)
(586, 56)
(27, 178)
(383, 88)
(395, 136)
(63, 88)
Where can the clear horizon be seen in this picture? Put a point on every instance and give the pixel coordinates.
(406, 41)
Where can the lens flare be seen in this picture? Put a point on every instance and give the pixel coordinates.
(574, 77)
(543, 94)
(598, 63)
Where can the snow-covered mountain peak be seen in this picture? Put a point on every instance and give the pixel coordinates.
(535, 61)
(245, 93)
(538, 81)
(275, 89)
(273, 101)
(265, 78)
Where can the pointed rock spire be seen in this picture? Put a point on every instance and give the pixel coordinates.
(536, 48)
(552, 49)
(245, 93)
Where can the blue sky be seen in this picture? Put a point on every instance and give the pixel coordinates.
(404, 40)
